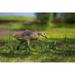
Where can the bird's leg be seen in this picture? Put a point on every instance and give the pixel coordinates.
(19, 45)
(28, 44)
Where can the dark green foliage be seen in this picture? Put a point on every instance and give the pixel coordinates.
(43, 18)
(57, 18)
(69, 18)
(54, 17)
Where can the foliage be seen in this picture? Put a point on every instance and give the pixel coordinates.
(69, 18)
(43, 18)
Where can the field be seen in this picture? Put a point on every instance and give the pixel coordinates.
(58, 47)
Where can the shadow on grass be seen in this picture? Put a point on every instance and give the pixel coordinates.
(13, 54)
(55, 46)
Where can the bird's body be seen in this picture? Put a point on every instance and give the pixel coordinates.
(27, 36)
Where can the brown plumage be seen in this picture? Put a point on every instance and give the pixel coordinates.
(27, 36)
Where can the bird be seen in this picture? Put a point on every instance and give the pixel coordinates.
(28, 35)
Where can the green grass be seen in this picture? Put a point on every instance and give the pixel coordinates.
(50, 26)
(18, 18)
(17, 26)
(60, 46)
(42, 51)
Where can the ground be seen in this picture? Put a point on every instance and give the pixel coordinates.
(60, 46)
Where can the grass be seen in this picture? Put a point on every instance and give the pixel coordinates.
(50, 26)
(57, 48)
(42, 51)
(17, 18)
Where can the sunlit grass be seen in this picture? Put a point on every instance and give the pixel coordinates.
(61, 39)
(17, 18)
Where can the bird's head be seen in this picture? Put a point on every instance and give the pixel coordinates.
(42, 34)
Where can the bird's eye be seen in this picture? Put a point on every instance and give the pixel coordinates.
(39, 33)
